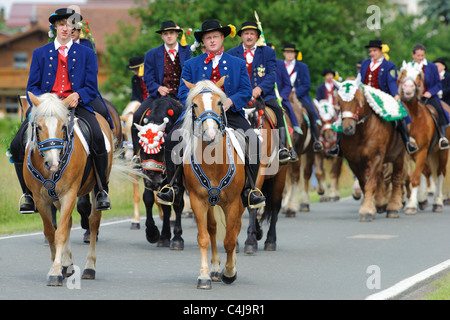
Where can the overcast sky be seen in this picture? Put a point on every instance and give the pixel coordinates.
(7, 3)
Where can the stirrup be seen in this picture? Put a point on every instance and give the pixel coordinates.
(283, 161)
(412, 142)
(260, 205)
(164, 202)
(443, 140)
(27, 211)
(96, 202)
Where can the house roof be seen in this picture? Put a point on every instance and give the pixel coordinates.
(102, 16)
(21, 35)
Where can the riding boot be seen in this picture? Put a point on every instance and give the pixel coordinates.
(252, 196)
(410, 143)
(283, 153)
(168, 192)
(28, 206)
(317, 144)
(443, 141)
(336, 151)
(101, 165)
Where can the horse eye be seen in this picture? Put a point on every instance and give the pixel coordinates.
(194, 105)
(39, 127)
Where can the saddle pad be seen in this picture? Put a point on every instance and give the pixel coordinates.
(383, 104)
(238, 142)
(84, 141)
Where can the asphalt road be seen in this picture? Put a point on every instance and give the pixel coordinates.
(325, 254)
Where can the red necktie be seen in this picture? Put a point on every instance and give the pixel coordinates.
(173, 52)
(62, 50)
(248, 51)
(213, 54)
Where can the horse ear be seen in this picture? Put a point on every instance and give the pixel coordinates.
(337, 84)
(404, 65)
(358, 79)
(188, 84)
(316, 102)
(138, 126)
(67, 100)
(219, 83)
(34, 100)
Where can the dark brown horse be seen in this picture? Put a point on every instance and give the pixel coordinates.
(214, 176)
(271, 178)
(424, 131)
(367, 143)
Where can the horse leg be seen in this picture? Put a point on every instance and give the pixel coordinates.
(319, 172)
(164, 239)
(419, 157)
(293, 191)
(94, 225)
(395, 202)
(49, 229)
(233, 216)
(442, 159)
(55, 277)
(84, 209)
(212, 230)
(203, 238)
(177, 242)
(367, 210)
(335, 173)
(251, 244)
(307, 173)
(136, 222)
(151, 231)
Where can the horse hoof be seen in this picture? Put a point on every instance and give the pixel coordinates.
(135, 226)
(215, 276)
(423, 204)
(152, 234)
(304, 207)
(446, 202)
(437, 208)
(270, 246)
(411, 211)
(365, 217)
(55, 281)
(204, 284)
(163, 243)
(290, 213)
(251, 248)
(88, 274)
(382, 209)
(228, 280)
(333, 199)
(323, 199)
(68, 271)
(356, 196)
(177, 245)
(392, 214)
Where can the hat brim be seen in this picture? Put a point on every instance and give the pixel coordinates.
(290, 49)
(53, 18)
(169, 29)
(372, 46)
(248, 28)
(199, 34)
(135, 66)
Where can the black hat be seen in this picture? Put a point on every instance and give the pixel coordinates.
(169, 25)
(374, 44)
(289, 47)
(328, 70)
(211, 25)
(249, 25)
(64, 13)
(441, 60)
(135, 63)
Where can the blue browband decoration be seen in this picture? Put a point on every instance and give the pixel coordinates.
(53, 143)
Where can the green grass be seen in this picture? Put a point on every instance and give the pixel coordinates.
(441, 289)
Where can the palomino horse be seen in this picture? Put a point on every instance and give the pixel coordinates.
(214, 175)
(271, 179)
(299, 173)
(157, 121)
(424, 131)
(55, 158)
(328, 136)
(366, 152)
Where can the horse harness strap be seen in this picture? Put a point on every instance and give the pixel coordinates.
(214, 192)
(50, 184)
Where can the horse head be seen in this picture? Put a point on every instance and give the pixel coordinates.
(48, 128)
(351, 100)
(327, 115)
(206, 100)
(410, 82)
(155, 125)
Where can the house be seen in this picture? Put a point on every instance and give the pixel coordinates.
(32, 19)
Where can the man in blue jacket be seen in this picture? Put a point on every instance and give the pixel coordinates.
(433, 85)
(212, 65)
(51, 67)
(299, 79)
(262, 70)
(380, 73)
(162, 71)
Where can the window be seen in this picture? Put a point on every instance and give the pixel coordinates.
(20, 60)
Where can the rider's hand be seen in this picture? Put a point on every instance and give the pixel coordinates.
(427, 95)
(74, 101)
(257, 92)
(228, 103)
(163, 91)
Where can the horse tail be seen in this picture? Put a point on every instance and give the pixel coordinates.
(221, 223)
(122, 169)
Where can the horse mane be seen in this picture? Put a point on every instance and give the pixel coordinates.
(50, 106)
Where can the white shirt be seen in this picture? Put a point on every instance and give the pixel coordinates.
(375, 63)
(248, 56)
(215, 60)
(172, 56)
(68, 45)
(290, 66)
(329, 86)
(420, 65)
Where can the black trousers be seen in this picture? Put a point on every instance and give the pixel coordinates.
(436, 103)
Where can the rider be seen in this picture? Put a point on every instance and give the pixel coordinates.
(298, 74)
(162, 71)
(138, 88)
(212, 65)
(261, 66)
(381, 73)
(51, 66)
(431, 88)
(326, 90)
(441, 64)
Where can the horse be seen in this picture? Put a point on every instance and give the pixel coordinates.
(366, 152)
(271, 178)
(299, 173)
(328, 136)
(423, 129)
(214, 183)
(55, 158)
(157, 121)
